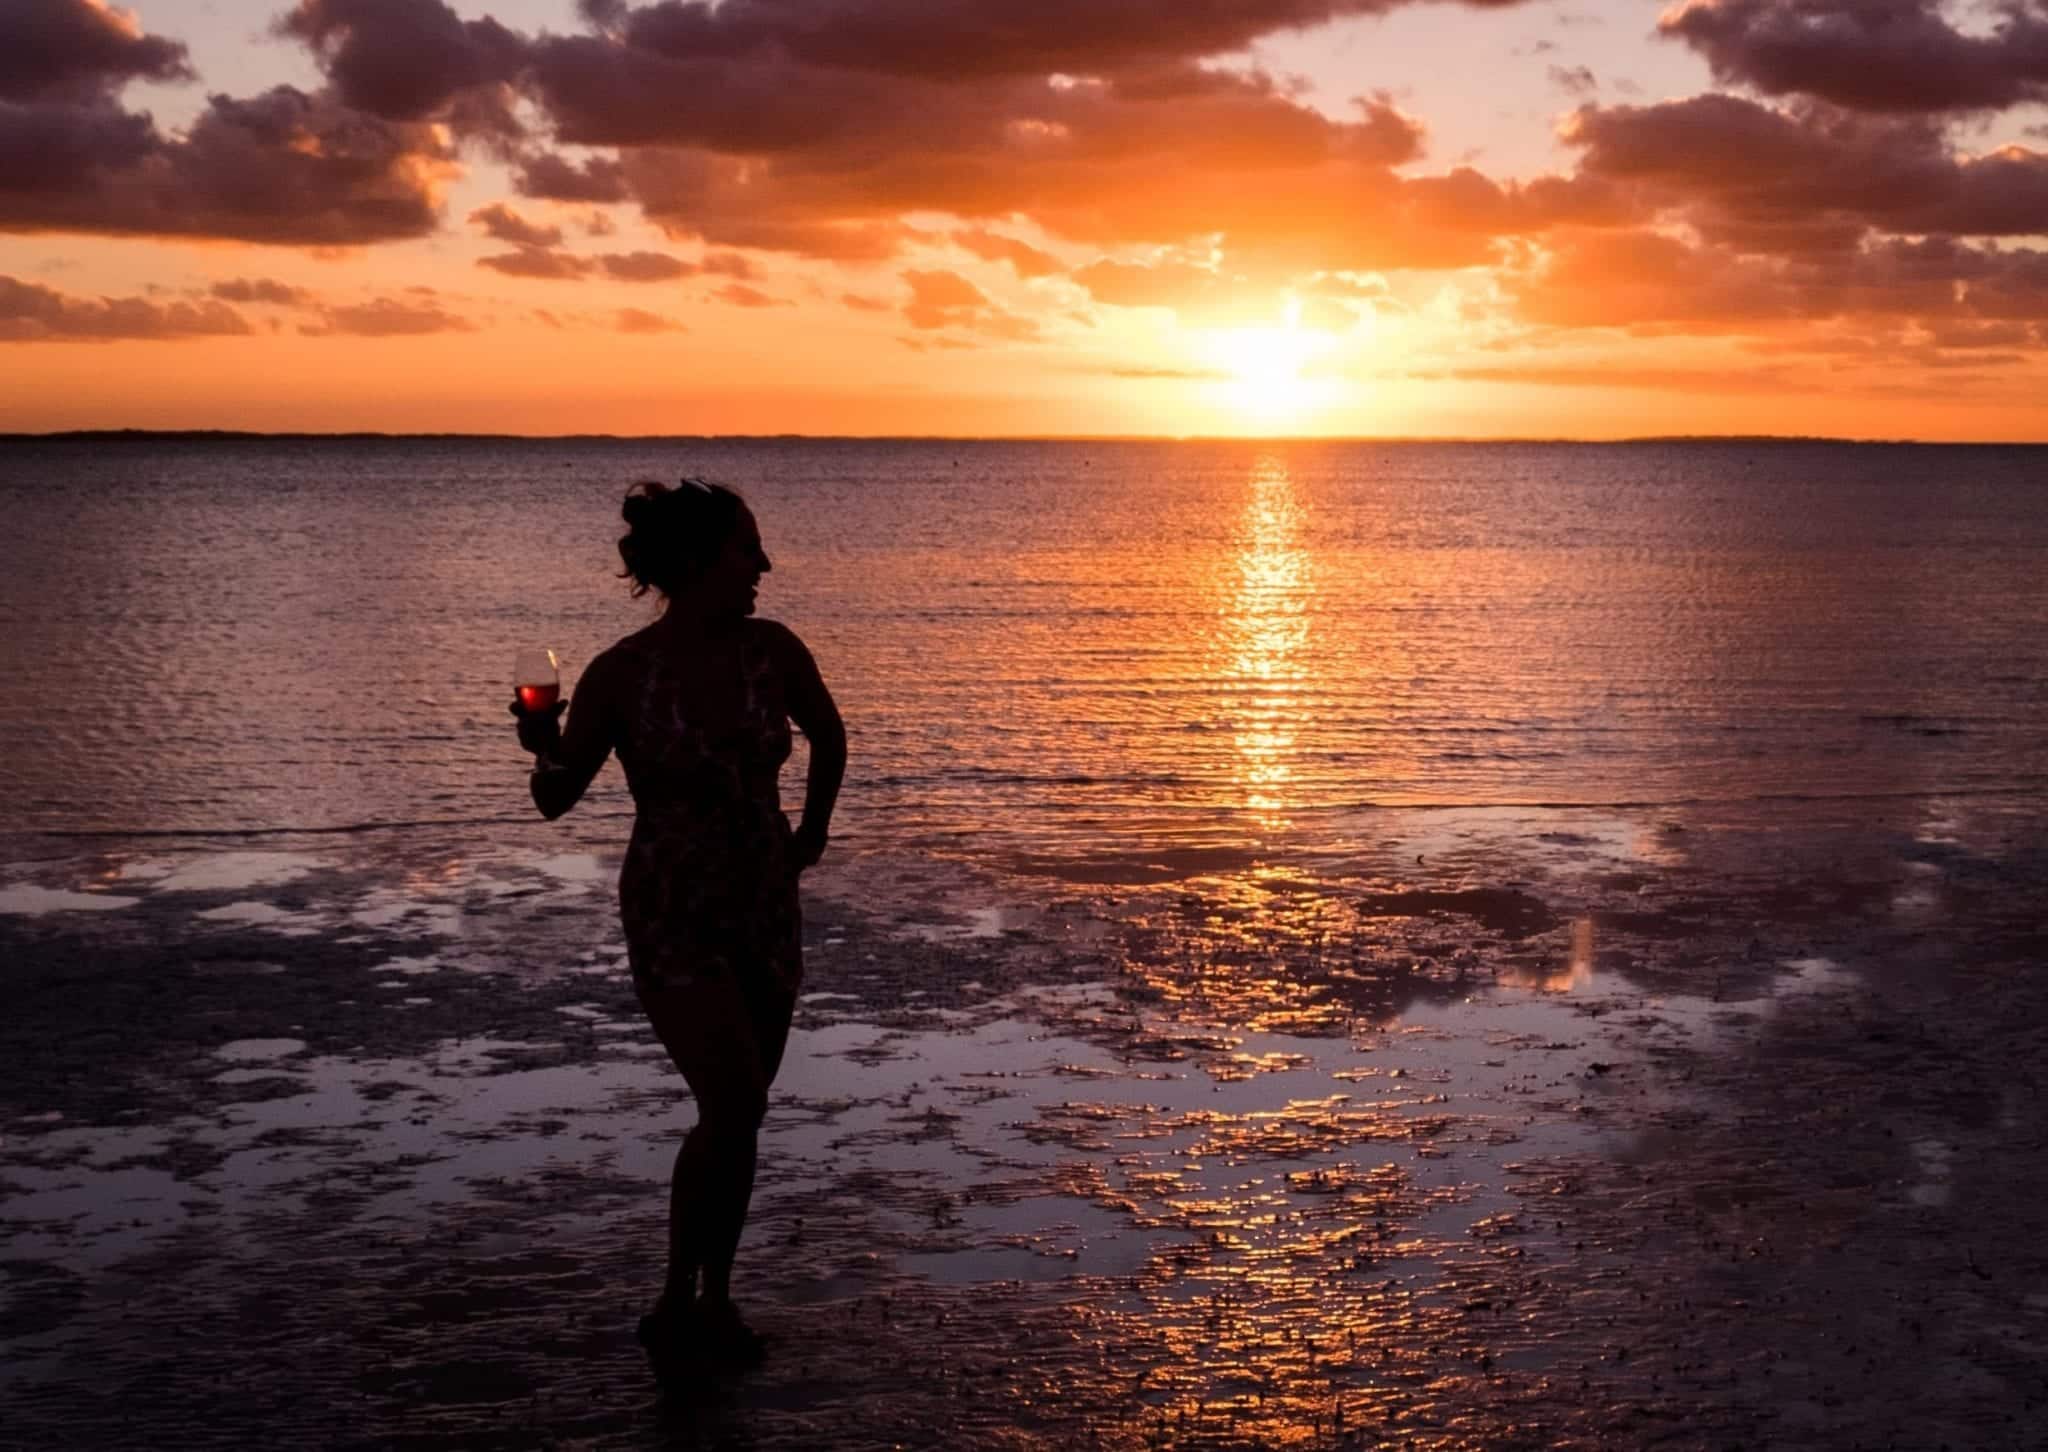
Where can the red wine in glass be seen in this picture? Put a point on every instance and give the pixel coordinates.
(537, 677)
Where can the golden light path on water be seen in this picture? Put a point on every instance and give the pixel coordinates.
(1266, 616)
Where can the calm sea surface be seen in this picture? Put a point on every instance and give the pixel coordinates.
(1042, 647)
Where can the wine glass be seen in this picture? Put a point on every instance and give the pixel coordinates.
(537, 677)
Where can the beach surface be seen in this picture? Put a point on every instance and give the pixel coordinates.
(1497, 1128)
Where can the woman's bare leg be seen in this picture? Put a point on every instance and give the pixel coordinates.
(768, 1012)
(679, 1288)
(710, 1038)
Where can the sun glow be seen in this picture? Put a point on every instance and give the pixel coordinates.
(1270, 369)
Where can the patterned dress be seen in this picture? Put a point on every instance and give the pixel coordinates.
(708, 890)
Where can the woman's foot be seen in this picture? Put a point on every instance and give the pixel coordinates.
(664, 1332)
(701, 1335)
(723, 1337)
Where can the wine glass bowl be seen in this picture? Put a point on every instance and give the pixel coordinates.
(537, 679)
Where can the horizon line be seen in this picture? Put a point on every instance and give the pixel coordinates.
(119, 435)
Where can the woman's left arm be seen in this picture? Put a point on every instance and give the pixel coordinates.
(817, 716)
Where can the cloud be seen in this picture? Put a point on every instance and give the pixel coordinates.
(554, 178)
(1626, 373)
(1326, 315)
(1177, 375)
(32, 313)
(1122, 172)
(1145, 285)
(1027, 261)
(1574, 80)
(79, 50)
(1008, 326)
(1329, 301)
(1369, 287)
(541, 264)
(2006, 284)
(1971, 333)
(940, 298)
(821, 128)
(1808, 177)
(638, 320)
(944, 39)
(387, 317)
(260, 290)
(767, 126)
(1643, 278)
(936, 343)
(809, 128)
(501, 222)
(548, 264)
(643, 266)
(281, 167)
(727, 264)
(1942, 345)
(1652, 283)
(403, 60)
(805, 126)
(742, 296)
(1870, 55)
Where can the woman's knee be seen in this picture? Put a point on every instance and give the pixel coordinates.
(732, 1113)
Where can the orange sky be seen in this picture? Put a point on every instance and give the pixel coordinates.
(1027, 217)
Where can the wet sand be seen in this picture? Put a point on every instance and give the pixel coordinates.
(1498, 1129)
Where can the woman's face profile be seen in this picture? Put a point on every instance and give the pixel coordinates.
(730, 583)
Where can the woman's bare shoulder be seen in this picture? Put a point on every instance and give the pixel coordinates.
(782, 643)
(621, 661)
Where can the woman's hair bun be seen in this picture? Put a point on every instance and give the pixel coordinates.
(640, 503)
(672, 532)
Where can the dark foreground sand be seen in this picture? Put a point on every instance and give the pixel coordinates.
(1498, 1131)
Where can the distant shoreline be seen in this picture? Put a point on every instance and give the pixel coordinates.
(372, 435)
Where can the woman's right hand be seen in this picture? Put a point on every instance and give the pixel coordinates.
(540, 732)
(806, 846)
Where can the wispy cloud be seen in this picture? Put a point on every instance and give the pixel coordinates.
(261, 290)
(639, 320)
(33, 313)
(387, 317)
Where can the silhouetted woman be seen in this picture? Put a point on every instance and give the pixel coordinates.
(698, 706)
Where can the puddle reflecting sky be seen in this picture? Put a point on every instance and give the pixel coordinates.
(1237, 1127)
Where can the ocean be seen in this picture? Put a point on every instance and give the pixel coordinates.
(1046, 652)
(1458, 945)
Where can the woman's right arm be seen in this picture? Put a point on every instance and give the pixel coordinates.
(566, 759)
(816, 715)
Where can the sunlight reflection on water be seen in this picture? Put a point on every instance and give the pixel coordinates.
(1266, 629)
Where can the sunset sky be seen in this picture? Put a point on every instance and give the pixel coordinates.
(1027, 217)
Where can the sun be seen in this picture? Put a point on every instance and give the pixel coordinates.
(1269, 369)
